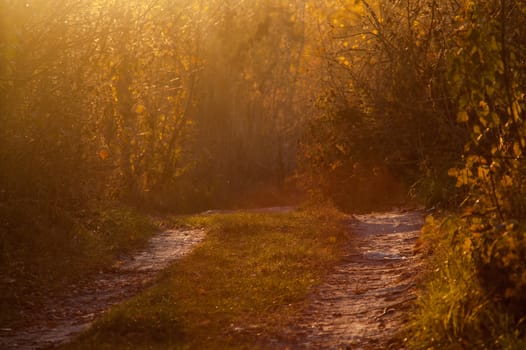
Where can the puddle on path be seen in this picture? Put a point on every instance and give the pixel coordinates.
(63, 316)
(361, 304)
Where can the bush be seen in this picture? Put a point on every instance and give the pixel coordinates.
(454, 310)
(500, 258)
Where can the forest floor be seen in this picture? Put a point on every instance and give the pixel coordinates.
(361, 304)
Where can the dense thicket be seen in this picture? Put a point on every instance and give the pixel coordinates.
(180, 104)
(488, 76)
(392, 114)
(430, 92)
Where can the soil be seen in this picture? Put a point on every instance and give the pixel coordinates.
(60, 317)
(363, 303)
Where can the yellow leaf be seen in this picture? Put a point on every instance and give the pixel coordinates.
(516, 110)
(139, 108)
(490, 90)
(484, 108)
(462, 117)
(495, 118)
(517, 149)
(506, 181)
(493, 44)
(466, 247)
(463, 178)
(482, 173)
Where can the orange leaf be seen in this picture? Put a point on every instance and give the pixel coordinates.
(103, 153)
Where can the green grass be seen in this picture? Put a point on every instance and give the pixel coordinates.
(44, 248)
(453, 311)
(239, 287)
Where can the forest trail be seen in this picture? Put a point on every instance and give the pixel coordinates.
(361, 304)
(61, 317)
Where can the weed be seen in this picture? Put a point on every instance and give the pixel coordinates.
(453, 311)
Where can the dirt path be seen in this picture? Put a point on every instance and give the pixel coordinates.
(361, 305)
(61, 317)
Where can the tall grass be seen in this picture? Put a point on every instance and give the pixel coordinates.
(453, 311)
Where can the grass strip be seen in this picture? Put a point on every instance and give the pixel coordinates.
(235, 291)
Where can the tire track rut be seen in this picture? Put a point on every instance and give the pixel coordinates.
(361, 304)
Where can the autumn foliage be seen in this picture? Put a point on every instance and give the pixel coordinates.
(182, 105)
(188, 105)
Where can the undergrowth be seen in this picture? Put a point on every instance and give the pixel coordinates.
(238, 288)
(453, 310)
(45, 248)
